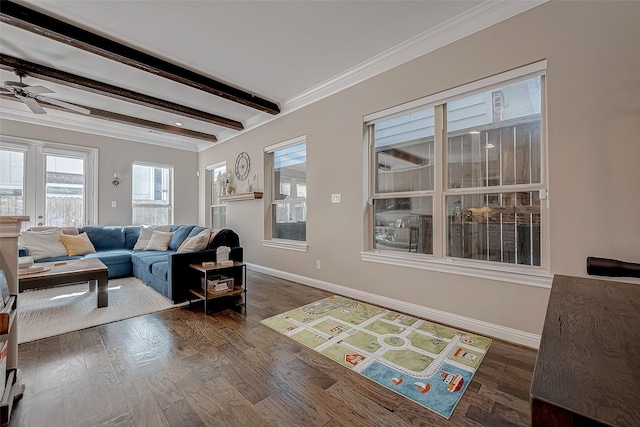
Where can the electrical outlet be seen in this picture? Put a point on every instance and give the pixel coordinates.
(336, 198)
(318, 264)
(114, 204)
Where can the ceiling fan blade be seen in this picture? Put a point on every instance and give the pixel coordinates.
(10, 83)
(37, 90)
(5, 90)
(32, 104)
(64, 104)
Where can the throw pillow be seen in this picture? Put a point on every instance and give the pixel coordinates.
(43, 244)
(146, 231)
(159, 241)
(77, 245)
(196, 243)
(71, 231)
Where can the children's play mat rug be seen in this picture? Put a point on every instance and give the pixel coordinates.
(429, 363)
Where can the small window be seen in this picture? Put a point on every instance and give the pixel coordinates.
(152, 199)
(288, 215)
(218, 209)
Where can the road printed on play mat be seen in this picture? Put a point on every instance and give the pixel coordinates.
(434, 361)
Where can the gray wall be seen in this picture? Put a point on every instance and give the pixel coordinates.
(593, 82)
(117, 156)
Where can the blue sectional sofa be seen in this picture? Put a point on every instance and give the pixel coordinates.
(167, 272)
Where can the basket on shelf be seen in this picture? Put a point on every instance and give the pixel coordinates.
(217, 283)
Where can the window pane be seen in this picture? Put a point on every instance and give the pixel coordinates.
(218, 182)
(11, 183)
(218, 216)
(290, 172)
(404, 155)
(404, 224)
(501, 227)
(150, 184)
(218, 211)
(151, 202)
(494, 137)
(289, 220)
(64, 185)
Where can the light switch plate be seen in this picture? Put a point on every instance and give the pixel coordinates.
(336, 198)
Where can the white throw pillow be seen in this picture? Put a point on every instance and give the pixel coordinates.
(146, 231)
(159, 241)
(43, 244)
(196, 243)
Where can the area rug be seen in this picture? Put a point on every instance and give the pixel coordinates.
(54, 311)
(428, 363)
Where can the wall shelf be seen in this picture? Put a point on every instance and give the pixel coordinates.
(242, 196)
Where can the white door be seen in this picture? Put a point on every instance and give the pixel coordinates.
(56, 187)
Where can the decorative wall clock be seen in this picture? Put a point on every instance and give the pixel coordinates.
(242, 166)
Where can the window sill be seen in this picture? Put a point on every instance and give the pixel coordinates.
(538, 278)
(286, 244)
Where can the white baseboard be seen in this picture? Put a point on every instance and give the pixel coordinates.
(515, 336)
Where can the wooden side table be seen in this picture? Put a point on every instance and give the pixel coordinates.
(238, 271)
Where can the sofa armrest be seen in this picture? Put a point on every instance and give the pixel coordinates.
(182, 277)
(22, 250)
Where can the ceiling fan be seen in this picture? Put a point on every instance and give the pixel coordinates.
(30, 95)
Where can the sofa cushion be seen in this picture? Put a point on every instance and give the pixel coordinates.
(77, 245)
(43, 244)
(144, 260)
(180, 233)
(146, 231)
(196, 243)
(131, 235)
(106, 237)
(114, 256)
(159, 241)
(197, 230)
(160, 269)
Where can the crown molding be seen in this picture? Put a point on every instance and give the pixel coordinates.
(483, 16)
(73, 122)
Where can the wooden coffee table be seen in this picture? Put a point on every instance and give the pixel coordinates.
(90, 270)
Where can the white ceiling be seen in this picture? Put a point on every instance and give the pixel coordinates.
(289, 52)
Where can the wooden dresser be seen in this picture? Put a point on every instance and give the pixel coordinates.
(587, 372)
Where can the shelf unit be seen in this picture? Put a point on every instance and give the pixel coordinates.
(239, 285)
(14, 389)
(242, 196)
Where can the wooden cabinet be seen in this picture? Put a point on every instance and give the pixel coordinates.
(587, 369)
(9, 231)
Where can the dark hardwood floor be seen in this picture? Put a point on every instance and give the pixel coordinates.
(181, 368)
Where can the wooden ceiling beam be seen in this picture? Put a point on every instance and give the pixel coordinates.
(406, 156)
(78, 82)
(36, 22)
(127, 120)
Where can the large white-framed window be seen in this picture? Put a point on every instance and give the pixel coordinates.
(459, 179)
(286, 163)
(52, 183)
(217, 174)
(152, 194)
